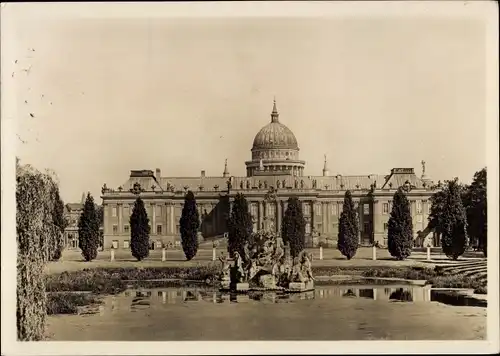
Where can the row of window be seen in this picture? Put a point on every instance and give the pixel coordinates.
(126, 229)
(126, 244)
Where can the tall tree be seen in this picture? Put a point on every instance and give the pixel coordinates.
(60, 224)
(100, 215)
(88, 230)
(448, 218)
(239, 225)
(400, 229)
(139, 231)
(189, 226)
(348, 228)
(293, 227)
(475, 203)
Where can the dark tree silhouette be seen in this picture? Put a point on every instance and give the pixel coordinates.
(88, 230)
(189, 225)
(476, 207)
(293, 226)
(239, 225)
(348, 228)
(400, 231)
(139, 231)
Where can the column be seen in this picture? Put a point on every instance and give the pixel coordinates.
(324, 211)
(280, 214)
(120, 218)
(172, 224)
(378, 228)
(259, 215)
(153, 219)
(165, 218)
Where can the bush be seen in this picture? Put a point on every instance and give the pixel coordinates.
(400, 232)
(68, 303)
(293, 227)
(189, 225)
(88, 230)
(348, 228)
(140, 230)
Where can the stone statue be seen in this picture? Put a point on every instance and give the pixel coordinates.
(238, 268)
(241, 185)
(278, 184)
(296, 183)
(265, 184)
(260, 184)
(284, 183)
(423, 168)
(302, 184)
(261, 165)
(296, 274)
(225, 273)
(248, 184)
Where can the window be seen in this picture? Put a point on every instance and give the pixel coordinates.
(340, 208)
(115, 229)
(115, 244)
(429, 205)
(366, 209)
(419, 218)
(419, 207)
(317, 209)
(272, 209)
(158, 229)
(126, 229)
(385, 208)
(308, 228)
(158, 210)
(126, 210)
(253, 209)
(125, 244)
(386, 226)
(307, 209)
(366, 227)
(334, 209)
(113, 212)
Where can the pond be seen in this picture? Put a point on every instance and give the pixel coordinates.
(340, 312)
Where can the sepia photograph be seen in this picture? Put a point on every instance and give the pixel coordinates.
(211, 176)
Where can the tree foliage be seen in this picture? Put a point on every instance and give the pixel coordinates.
(400, 227)
(37, 229)
(100, 217)
(60, 222)
(139, 231)
(239, 225)
(348, 228)
(189, 226)
(475, 203)
(88, 230)
(293, 227)
(448, 218)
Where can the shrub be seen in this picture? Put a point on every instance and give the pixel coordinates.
(88, 230)
(68, 303)
(348, 228)
(139, 230)
(189, 225)
(400, 232)
(293, 227)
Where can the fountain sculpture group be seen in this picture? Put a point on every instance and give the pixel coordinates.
(265, 264)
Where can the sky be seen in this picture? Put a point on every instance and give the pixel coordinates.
(110, 95)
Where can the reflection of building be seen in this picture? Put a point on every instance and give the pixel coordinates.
(274, 173)
(72, 212)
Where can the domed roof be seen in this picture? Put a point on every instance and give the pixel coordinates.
(275, 135)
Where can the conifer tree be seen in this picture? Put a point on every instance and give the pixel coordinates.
(139, 231)
(239, 225)
(475, 204)
(60, 224)
(348, 228)
(453, 221)
(88, 230)
(189, 226)
(400, 230)
(293, 226)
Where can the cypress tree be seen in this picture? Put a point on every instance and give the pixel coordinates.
(189, 225)
(454, 239)
(60, 224)
(348, 228)
(239, 225)
(88, 230)
(139, 231)
(400, 231)
(293, 227)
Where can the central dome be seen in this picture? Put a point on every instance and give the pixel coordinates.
(275, 135)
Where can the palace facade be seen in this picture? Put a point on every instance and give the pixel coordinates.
(273, 174)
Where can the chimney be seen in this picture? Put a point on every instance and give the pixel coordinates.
(158, 173)
(203, 174)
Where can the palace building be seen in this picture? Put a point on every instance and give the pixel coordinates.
(273, 174)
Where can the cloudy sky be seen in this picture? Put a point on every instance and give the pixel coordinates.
(113, 94)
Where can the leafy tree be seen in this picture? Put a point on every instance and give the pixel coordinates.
(400, 227)
(293, 227)
(475, 203)
(239, 225)
(448, 218)
(189, 225)
(88, 230)
(139, 231)
(348, 228)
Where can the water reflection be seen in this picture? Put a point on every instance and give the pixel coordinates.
(145, 298)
